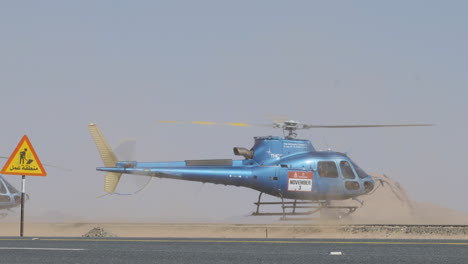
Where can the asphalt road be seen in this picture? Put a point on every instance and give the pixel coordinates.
(120, 250)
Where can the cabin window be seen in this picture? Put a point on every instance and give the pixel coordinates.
(352, 185)
(327, 169)
(2, 188)
(346, 170)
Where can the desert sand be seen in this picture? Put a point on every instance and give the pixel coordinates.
(270, 231)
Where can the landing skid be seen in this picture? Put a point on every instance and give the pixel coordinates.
(294, 209)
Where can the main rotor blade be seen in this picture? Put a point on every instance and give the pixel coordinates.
(208, 123)
(57, 167)
(296, 123)
(45, 164)
(305, 126)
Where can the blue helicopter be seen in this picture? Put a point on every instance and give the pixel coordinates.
(306, 180)
(10, 197)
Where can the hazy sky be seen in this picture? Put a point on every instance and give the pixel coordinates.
(127, 64)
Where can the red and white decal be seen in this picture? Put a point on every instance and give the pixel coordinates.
(300, 181)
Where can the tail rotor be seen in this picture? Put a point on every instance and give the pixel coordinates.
(108, 158)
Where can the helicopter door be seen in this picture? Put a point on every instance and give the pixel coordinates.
(280, 178)
(4, 197)
(330, 184)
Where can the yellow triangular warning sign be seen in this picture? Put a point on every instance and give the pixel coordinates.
(24, 160)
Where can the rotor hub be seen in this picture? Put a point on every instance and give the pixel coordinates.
(289, 128)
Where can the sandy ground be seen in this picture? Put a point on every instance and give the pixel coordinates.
(389, 205)
(236, 231)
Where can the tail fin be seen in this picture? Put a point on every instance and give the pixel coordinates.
(108, 157)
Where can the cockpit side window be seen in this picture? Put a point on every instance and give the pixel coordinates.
(327, 169)
(346, 170)
(2, 188)
(360, 172)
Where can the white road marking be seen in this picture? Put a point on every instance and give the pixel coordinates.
(52, 249)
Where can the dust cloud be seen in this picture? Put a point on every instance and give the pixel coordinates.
(390, 203)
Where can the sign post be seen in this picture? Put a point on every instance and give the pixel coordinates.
(24, 161)
(23, 188)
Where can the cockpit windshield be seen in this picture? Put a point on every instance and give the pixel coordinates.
(10, 187)
(2, 188)
(361, 173)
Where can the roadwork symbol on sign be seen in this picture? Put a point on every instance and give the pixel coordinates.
(24, 160)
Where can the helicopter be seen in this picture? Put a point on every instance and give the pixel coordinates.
(305, 180)
(10, 197)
